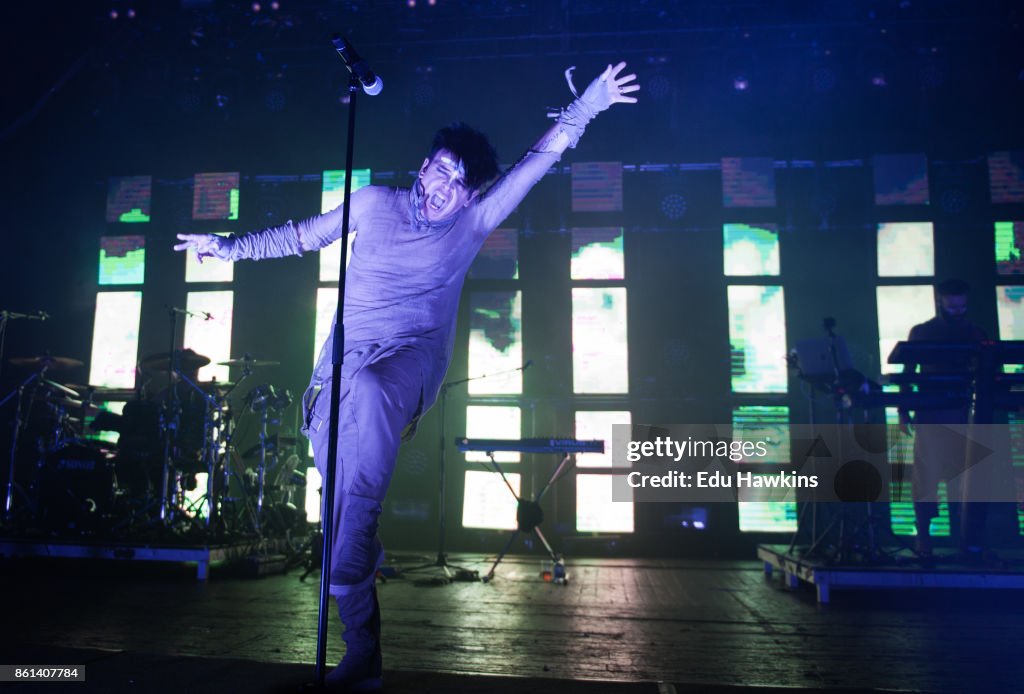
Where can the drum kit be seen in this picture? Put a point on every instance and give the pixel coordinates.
(105, 463)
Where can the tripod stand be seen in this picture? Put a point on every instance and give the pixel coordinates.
(440, 571)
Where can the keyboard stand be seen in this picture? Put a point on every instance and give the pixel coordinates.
(529, 516)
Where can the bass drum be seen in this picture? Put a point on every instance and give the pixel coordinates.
(77, 489)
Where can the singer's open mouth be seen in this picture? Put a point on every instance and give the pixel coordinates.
(437, 201)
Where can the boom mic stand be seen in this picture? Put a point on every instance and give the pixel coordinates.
(448, 572)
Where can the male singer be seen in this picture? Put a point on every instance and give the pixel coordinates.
(408, 263)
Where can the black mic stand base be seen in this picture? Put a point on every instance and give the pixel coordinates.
(440, 572)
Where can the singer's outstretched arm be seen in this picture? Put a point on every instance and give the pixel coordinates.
(607, 88)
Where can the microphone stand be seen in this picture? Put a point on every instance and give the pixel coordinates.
(337, 356)
(449, 571)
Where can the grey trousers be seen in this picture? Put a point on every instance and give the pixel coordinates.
(379, 398)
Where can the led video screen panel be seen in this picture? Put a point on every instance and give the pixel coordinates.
(901, 446)
(487, 501)
(767, 516)
(129, 199)
(495, 343)
(498, 259)
(597, 254)
(594, 425)
(1009, 241)
(901, 179)
(906, 249)
(312, 502)
(751, 250)
(210, 270)
(330, 259)
(211, 336)
(331, 196)
(597, 186)
(748, 182)
(215, 196)
(333, 191)
(600, 354)
(595, 510)
(899, 310)
(326, 305)
(122, 260)
(115, 339)
(1006, 176)
(493, 422)
(901, 511)
(757, 338)
(1010, 316)
(768, 423)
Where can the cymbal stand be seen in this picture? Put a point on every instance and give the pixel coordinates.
(213, 431)
(19, 424)
(5, 317)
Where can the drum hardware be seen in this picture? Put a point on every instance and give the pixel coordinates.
(46, 361)
(19, 425)
(264, 400)
(175, 360)
(246, 361)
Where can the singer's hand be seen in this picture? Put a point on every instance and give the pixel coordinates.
(206, 245)
(608, 88)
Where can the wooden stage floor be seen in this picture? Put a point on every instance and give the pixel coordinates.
(619, 626)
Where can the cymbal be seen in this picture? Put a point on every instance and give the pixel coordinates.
(104, 393)
(273, 442)
(50, 362)
(57, 387)
(70, 404)
(250, 362)
(188, 360)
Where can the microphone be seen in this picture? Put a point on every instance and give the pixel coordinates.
(372, 84)
(207, 316)
(528, 364)
(42, 315)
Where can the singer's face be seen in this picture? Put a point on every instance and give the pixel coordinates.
(445, 192)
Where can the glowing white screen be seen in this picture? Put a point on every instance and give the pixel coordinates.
(330, 259)
(312, 504)
(600, 354)
(750, 250)
(211, 338)
(495, 342)
(597, 254)
(595, 510)
(757, 334)
(899, 310)
(597, 426)
(326, 305)
(1010, 312)
(493, 422)
(767, 423)
(767, 516)
(115, 339)
(906, 249)
(487, 502)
